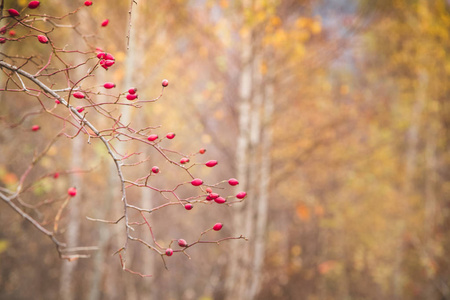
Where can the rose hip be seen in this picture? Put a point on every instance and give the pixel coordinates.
(152, 137)
(72, 192)
(109, 85)
(197, 182)
(217, 226)
(233, 181)
(182, 243)
(211, 163)
(33, 4)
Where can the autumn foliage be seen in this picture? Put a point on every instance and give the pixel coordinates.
(319, 130)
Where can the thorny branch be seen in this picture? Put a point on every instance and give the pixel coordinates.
(17, 77)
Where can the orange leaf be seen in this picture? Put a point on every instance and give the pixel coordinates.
(303, 212)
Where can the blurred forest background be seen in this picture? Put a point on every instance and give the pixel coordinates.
(334, 115)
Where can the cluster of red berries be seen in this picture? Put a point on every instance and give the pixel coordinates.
(183, 244)
(106, 60)
(32, 5)
(132, 94)
(170, 135)
(15, 13)
(220, 200)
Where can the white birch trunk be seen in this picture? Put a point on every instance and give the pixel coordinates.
(239, 260)
(412, 142)
(264, 182)
(73, 227)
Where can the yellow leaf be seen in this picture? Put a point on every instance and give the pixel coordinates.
(344, 89)
(224, 3)
(296, 250)
(316, 27)
(301, 22)
(263, 68)
(4, 244)
(218, 114)
(206, 139)
(275, 21)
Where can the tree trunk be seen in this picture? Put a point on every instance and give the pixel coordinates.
(73, 226)
(239, 256)
(412, 142)
(264, 182)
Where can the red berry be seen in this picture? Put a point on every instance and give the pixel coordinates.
(33, 4)
(220, 200)
(131, 96)
(152, 137)
(233, 181)
(109, 85)
(197, 182)
(155, 170)
(13, 13)
(208, 198)
(109, 62)
(105, 23)
(182, 243)
(217, 226)
(211, 163)
(12, 33)
(43, 39)
(108, 56)
(87, 3)
(103, 64)
(208, 190)
(169, 252)
(35, 127)
(80, 109)
(170, 135)
(241, 195)
(132, 91)
(106, 63)
(56, 175)
(72, 192)
(101, 55)
(189, 206)
(78, 95)
(57, 101)
(2, 40)
(165, 83)
(214, 195)
(184, 160)
(202, 151)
